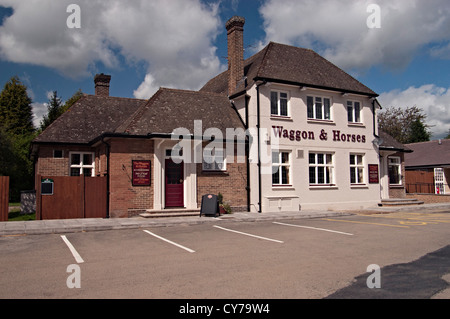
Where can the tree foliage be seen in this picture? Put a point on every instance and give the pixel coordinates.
(405, 125)
(54, 110)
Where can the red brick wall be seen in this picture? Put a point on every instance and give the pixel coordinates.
(125, 199)
(231, 184)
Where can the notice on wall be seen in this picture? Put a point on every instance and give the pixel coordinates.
(373, 174)
(141, 173)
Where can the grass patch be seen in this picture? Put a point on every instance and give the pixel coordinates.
(15, 216)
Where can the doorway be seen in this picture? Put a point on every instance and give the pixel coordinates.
(174, 177)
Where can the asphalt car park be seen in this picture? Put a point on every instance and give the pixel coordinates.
(276, 259)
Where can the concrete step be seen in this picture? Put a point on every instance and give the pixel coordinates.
(150, 213)
(400, 202)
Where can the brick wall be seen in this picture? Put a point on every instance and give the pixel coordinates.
(127, 200)
(231, 184)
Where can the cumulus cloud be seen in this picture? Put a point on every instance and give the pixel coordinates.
(168, 37)
(433, 100)
(338, 29)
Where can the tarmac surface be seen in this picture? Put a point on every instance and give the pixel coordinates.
(59, 226)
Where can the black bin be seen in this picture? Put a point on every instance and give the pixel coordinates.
(210, 205)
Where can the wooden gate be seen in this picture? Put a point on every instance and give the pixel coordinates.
(4, 198)
(419, 182)
(63, 197)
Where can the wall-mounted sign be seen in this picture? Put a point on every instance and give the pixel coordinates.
(46, 186)
(141, 173)
(373, 174)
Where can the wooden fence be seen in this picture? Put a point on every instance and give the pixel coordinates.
(419, 182)
(4, 198)
(71, 197)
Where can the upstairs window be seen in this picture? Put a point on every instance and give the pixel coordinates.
(353, 112)
(319, 108)
(279, 103)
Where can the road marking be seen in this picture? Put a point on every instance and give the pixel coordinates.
(357, 222)
(170, 242)
(323, 229)
(251, 235)
(74, 252)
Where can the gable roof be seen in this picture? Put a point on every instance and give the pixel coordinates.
(429, 154)
(291, 65)
(169, 109)
(88, 118)
(391, 144)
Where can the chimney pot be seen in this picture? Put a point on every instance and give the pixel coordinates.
(235, 33)
(102, 84)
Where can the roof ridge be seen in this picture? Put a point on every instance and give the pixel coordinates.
(114, 97)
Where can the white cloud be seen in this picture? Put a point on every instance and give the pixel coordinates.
(39, 110)
(338, 30)
(433, 100)
(172, 38)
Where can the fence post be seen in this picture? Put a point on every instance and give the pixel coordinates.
(4, 198)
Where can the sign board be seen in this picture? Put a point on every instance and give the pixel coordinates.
(47, 186)
(373, 174)
(142, 173)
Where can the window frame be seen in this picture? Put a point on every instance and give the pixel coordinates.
(278, 114)
(314, 116)
(356, 167)
(215, 166)
(399, 172)
(328, 169)
(353, 113)
(82, 165)
(280, 165)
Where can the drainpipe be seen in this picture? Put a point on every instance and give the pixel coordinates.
(108, 150)
(258, 125)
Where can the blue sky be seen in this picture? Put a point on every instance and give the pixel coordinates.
(145, 44)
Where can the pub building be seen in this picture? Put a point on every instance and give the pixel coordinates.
(310, 139)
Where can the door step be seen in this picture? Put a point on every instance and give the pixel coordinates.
(150, 213)
(400, 202)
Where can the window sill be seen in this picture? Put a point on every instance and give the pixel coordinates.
(330, 122)
(325, 186)
(359, 186)
(356, 124)
(215, 172)
(278, 187)
(281, 117)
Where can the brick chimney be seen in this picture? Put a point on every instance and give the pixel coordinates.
(235, 32)
(102, 84)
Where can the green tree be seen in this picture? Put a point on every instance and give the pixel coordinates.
(54, 110)
(405, 125)
(448, 135)
(16, 134)
(16, 112)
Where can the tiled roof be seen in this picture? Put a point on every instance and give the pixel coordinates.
(390, 143)
(88, 118)
(284, 63)
(169, 109)
(433, 153)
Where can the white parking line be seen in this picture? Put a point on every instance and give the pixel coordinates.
(323, 229)
(170, 242)
(238, 232)
(74, 252)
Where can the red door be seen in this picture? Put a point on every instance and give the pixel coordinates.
(174, 184)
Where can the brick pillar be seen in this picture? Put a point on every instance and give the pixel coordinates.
(235, 32)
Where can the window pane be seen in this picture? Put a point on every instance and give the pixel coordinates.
(320, 159)
(349, 112)
(312, 175)
(360, 175)
(75, 159)
(87, 159)
(352, 175)
(327, 109)
(329, 159)
(329, 175)
(283, 107)
(276, 177)
(74, 172)
(285, 158)
(321, 175)
(275, 157)
(285, 174)
(352, 160)
(274, 103)
(87, 171)
(357, 111)
(312, 158)
(319, 108)
(310, 103)
(360, 159)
